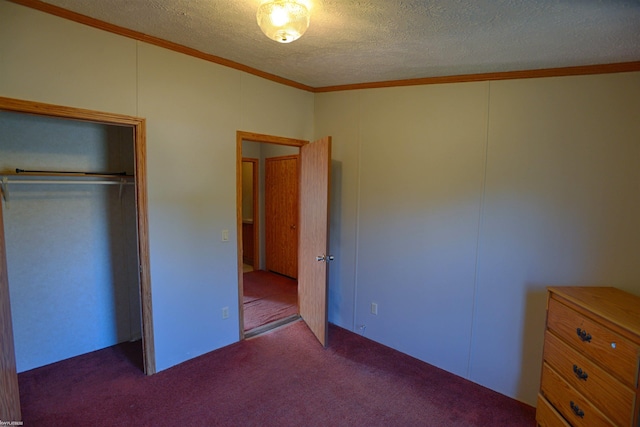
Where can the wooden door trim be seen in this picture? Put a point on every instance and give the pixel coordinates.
(139, 128)
(9, 391)
(261, 138)
(269, 139)
(287, 157)
(256, 208)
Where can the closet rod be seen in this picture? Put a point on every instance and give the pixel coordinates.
(18, 171)
(5, 181)
(31, 181)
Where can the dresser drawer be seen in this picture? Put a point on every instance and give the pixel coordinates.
(546, 416)
(613, 398)
(576, 409)
(611, 351)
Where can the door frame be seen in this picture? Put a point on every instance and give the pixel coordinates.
(139, 141)
(265, 139)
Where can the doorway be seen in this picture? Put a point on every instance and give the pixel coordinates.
(136, 127)
(314, 184)
(269, 235)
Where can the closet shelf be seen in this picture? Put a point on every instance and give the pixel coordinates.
(61, 178)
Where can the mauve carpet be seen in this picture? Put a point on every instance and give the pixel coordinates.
(267, 297)
(280, 378)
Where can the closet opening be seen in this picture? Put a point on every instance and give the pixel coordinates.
(75, 234)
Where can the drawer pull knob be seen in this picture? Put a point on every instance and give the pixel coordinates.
(576, 410)
(580, 373)
(584, 336)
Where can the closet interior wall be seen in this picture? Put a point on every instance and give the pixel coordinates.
(72, 256)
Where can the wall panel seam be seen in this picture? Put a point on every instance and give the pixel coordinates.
(483, 186)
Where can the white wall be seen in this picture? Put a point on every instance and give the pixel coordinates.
(420, 157)
(562, 207)
(193, 109)
(460, 203)
(337, 114)
(71, 249)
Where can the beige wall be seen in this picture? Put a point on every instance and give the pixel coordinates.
(52, 60)
(458, 204)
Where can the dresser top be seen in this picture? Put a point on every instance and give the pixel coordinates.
(612, 304)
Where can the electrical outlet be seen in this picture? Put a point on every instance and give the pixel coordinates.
(225, 312)
(374, 308)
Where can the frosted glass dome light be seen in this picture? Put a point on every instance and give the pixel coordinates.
(283, 20)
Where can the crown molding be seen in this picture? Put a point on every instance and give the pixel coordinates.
(622, 67)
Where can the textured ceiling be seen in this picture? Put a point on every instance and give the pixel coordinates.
(361, 41)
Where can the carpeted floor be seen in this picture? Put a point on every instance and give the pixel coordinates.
(281, 378)
(268, 297)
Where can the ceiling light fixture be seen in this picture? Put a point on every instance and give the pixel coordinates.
(283, 20)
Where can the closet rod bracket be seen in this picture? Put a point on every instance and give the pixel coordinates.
(122, 183)
(5, 189)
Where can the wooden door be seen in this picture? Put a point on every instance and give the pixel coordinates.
(315, 165)
(281, 215)
(9, 393)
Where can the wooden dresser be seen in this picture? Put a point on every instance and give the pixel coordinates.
(590, 371)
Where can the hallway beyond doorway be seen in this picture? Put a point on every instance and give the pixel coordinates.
(268, 297)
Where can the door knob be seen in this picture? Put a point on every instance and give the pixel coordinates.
(325, 258)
